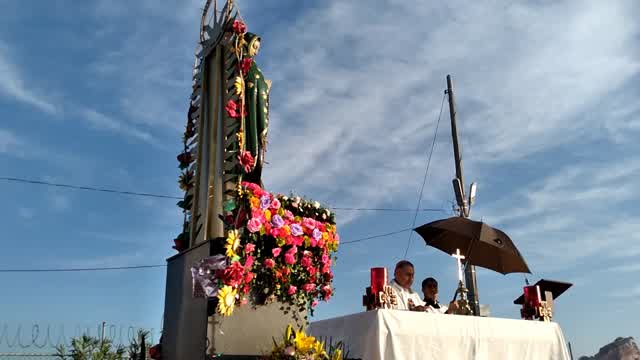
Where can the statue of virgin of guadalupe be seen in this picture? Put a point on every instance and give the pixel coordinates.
(257, 107)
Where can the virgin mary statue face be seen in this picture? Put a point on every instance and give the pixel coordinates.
(255, 47)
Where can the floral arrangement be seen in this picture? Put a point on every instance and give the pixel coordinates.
(278, 248)
(296, 345)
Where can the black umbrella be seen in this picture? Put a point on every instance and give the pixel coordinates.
(481, 244)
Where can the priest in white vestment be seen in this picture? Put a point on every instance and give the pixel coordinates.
(407, 299)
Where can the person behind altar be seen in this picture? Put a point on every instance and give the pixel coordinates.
(407, 299)
(430, 291)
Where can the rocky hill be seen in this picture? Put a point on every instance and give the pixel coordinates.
(619, 349)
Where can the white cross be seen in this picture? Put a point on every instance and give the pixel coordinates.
(459, 257)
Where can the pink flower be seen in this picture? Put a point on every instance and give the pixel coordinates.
(251, 186)
(276, 252)
(239, 27)
(290, 255)
(305, 261)
(246, 161)
(254, 225)
(233, 109)
(325, 258)
(314, 303)
(308, 287)
(309, 223)
(249, 248)
(327, 292)
(249, 262)
(258, 214)
(292, 290)
(313, 242)
(289, 258)
(275, 204)
(288, 215)
(312, 271)
(244, 301)
(269, 263)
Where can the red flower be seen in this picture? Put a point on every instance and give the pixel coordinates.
(245, 65)
(327, 292)
(233, 109)
(154, 352)
(269, 263)
(248, 277)
(308, 287)
(233, 274)
(239, 27)
(249, 249)
(185, 158)
(246, 161)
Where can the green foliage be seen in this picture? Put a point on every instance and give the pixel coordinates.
(139, 346)
(90, 348)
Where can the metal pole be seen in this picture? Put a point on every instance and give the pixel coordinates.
(469, 271)
(104, 323)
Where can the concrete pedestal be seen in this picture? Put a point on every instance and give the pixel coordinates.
(188, 330)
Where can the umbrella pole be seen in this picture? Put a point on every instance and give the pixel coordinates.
(469, 270)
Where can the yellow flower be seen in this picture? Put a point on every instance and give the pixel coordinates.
(233, 241)
(239, 84)
(255, 203)
(280, 241)
(287, 229)
(226, 300)
(267, 215)
(304, 343)
(318, 349)
(325, 236)
(337, 355)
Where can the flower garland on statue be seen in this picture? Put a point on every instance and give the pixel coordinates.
(278, 248)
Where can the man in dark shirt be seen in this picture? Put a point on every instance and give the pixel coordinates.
(430, 291)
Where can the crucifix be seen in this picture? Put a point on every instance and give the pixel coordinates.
(459, 258)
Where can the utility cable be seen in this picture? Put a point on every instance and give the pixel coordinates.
(424, 180)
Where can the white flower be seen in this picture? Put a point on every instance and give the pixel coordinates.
(285, 198)
(316, 204)
(297, 199)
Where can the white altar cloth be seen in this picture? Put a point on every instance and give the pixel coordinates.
(397, 334)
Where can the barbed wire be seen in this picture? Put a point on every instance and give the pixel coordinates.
(49, 337)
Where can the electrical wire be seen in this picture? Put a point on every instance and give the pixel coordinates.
(132, 193)
(424, 180)
(164, 265)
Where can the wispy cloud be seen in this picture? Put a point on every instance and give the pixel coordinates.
(10, 143)
(26, 213)
(103, 122)
(15, 86)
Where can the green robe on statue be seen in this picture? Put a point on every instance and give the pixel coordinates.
(257, 106)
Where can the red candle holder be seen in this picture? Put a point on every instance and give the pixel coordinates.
(378, 279)
(531, 296)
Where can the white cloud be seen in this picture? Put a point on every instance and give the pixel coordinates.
(60, 202)
(26, 213)
(15, 86)
(103, 122)
(10, 143)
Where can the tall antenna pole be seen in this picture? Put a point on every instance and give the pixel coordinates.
(463, 206)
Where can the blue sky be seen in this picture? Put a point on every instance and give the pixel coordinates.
(95, 93)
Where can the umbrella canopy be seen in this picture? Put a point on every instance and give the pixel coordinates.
(482, 245)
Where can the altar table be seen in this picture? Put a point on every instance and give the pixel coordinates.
(397, 334)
